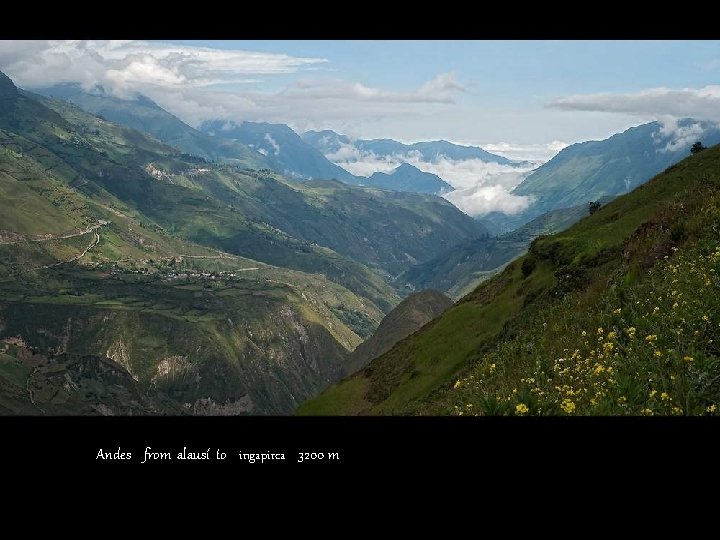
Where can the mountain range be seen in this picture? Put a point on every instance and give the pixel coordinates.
(214, 288)
(283, 149)
(143, 114)
(332, 144)
(588, 171)
(258, 145)
(409, 178)
(148, 267)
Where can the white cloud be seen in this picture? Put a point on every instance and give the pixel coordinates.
(273, 143)
(346, 153)
(480, 200)
(479, 187)
(124, 66)
(441, 89)
(184, 80)
(700, 103)
(676, 136)
(531, 152)
(368, 163)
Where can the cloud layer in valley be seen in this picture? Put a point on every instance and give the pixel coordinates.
(530, 152)
(479, 187)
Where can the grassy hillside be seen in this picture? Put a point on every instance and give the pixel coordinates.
(463, 267)
(407, 317)
(616, 315)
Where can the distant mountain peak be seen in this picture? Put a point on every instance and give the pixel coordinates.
(590, 170)
(403, 167)
(407, 177)
(8, 90)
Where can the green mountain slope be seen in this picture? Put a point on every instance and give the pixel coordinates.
(261, 215)
(283, 149)
(96, 259)
(463, 267)
(406, 177)
(146, 116)
(407, 317)
(216, 285)
(590, 170)
(616, 315)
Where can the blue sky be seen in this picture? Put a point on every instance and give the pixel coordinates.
(504, 69)
(522, 94)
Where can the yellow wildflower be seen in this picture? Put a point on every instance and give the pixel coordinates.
(492, 368)
(665, 396)
(521, 409)
(688, 359)
(568, 406)
(658, 354)
(631, 331)
(647, 412)
(600, 331)
(457, 384)
(677, 410)
(652, 393)
(583, 333)
(617, 311)
(651, 338)
(711, 408)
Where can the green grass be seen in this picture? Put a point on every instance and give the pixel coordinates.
(647, 349)
(12, 370)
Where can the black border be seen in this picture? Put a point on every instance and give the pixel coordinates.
(303, 20)
(408, 444)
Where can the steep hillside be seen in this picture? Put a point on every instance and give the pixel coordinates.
(32, 383)
(407, 317)
(587, 171)
(95, 260)
(461, 268)
(409, 178)
(616, 315)
(283, 149)
(324, 227)
(145, 115)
